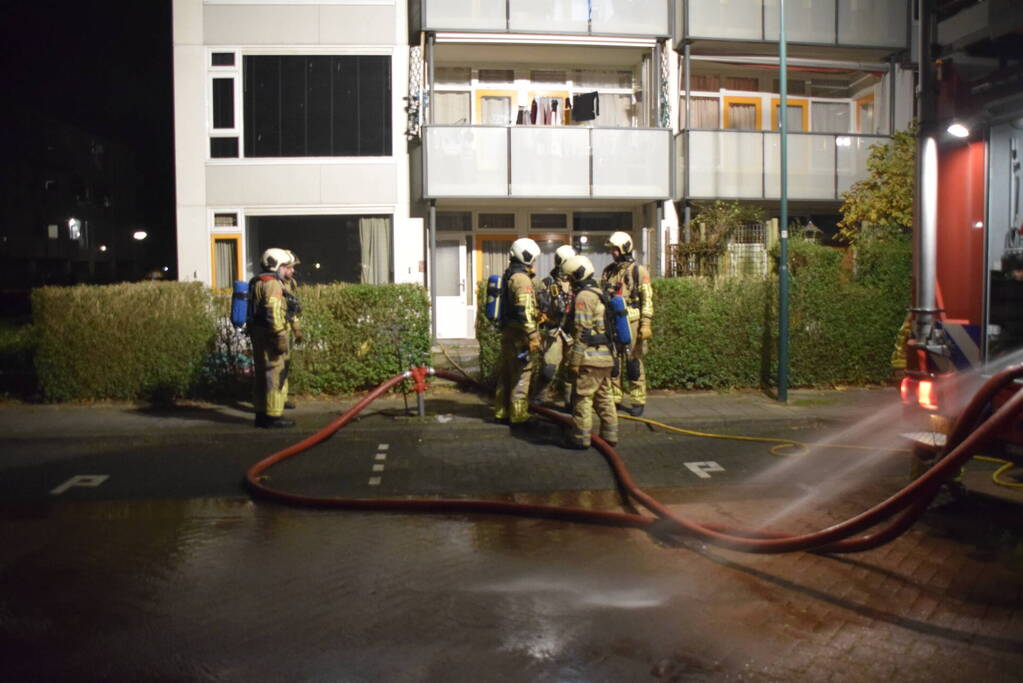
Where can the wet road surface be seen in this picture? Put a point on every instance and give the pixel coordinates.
(166, 571)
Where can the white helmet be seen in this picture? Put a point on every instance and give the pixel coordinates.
(273, 258)
(577, 268)
(294, 258)
(562, 254)
(524, 250)
(622, 240)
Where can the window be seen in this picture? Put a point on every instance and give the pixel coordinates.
(298, 106)
(454, 220)
(227, 264)
(332, 248)
(496, 220)
(548, 221)
(494, 107)
(865, 114)
(742, 113)
(798, 114)
(222, 118)
(830, 117)
(704, 112)
(451, 108)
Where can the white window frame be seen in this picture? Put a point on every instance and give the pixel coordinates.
(235, 72)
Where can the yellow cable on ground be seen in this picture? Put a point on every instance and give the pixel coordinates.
(782, 444)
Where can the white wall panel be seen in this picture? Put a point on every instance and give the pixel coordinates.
(193, 244)
(725, 164)
(262, 184)
(262, 24)
(464, 161)
(358, 25)
(549, 16)
(811, 166)
(358, 183)
(725, 19)
(631, 17)
(487, 15)
(806, 21)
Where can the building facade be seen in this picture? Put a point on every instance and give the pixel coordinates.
(394, 141)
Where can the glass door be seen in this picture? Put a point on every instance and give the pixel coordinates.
(452, 311)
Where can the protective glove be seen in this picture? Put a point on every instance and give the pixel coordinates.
(534, 342)
(645, 329)
(281, 343)
(298, 336)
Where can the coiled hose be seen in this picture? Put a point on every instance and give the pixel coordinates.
(906, 506)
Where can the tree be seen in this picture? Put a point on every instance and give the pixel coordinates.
(884, 199)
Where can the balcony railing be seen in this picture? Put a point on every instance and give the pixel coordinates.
(553, 162)
(733, 164)
(854, 23)
(588, 17)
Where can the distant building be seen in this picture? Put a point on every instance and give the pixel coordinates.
(69, 205)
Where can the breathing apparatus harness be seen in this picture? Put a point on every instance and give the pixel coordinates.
(261, 318)
(620, 321)
(510, 310)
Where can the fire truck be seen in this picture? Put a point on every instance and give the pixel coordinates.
(966, 324)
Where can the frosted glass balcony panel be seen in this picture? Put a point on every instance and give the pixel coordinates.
(548, 16)
(631, 162)
(852, 158)
(726, 19)
(481, 15)
(726, 164)
(550, 162)
(630, 17)
(811, 166)
(464, 161)
(872, 22)
(806, 21)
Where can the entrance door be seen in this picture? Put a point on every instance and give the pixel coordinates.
(452, 305)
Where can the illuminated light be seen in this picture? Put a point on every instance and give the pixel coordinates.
(979, 224)
(140, 235)
(165, 269)
(583, 239)
(74, 228)
(102, 247)
(927, 395)
(843, 141)
(958, 130)
(906, 390)
(316, 266)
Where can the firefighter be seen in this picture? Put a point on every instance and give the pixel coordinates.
(590, 358)
(268, 328)
(631, 281)
(294, 310)
(555, 298)
(520, 336)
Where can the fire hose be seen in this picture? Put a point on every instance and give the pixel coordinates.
(899, 511)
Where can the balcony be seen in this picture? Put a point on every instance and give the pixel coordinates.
(729, 164)
(850, 23)
(585, 17)
(551, 162)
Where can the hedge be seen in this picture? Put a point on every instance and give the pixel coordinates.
(165, 340)
(723, 333)
(126, 341)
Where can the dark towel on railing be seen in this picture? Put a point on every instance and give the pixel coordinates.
(585, 107)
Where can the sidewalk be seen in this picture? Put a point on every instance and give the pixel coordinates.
(696, 409)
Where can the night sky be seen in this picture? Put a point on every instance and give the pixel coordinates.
(106, 67)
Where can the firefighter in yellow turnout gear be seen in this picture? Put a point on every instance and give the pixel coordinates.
(590, 359)
(520, 336)
(293, 311)
(268, 329)
(554, 295)
(631, 281)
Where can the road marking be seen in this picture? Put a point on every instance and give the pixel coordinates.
(381, 456)
(378, 468)
(88, 481)
(383, 447)
(701, 469)
(374, 481)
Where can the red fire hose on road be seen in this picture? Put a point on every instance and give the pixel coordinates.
(970, 434)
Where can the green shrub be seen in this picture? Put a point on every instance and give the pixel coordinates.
(127, 341)
(359, 335)
(723, 333)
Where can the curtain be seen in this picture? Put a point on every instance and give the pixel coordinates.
(705, 112)
(495, 257)
(496, 111)
(743, 117)
(226, 258)
(615, 111)
(794, 118)
(375, 242)
(829, 117)
(451, 108)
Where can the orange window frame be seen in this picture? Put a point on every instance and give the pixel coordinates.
(237, 239)
(512, 95)
(728, 101)
(860, 104)
(790, 102)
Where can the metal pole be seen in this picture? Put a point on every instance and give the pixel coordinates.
(926, 204)
(433, 271)
(783, 260)
(687, 64)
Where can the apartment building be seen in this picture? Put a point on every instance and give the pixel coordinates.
(849, 87)
(287, 133)
(414, 140)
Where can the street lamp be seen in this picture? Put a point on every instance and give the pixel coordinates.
(140, 235)
(958, 130)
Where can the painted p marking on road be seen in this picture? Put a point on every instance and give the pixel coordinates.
(85, 481)
(702, 469)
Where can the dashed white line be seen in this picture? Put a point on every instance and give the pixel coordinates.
(378, 468)
(374, 481)
(380, 457)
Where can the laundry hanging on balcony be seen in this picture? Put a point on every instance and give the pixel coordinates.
(545, 111)
(585, 107)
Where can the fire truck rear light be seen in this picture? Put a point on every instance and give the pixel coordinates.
(906, 390)
(927, 395)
